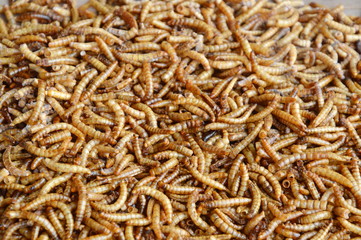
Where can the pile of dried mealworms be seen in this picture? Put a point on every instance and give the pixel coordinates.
(200, 119)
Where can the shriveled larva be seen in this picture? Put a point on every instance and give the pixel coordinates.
(256, 200)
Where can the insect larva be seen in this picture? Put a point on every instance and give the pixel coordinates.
(96, 82)
(332, 175)
(315, 217)
(155, 225)
(31, 148)
(82, 201)
(28, 53)
(139, 58)
(329, 148)
(240, 146)
(149, 114)
(166, 46)
(139, 47)
(95, 225)
(194, 23)
(39, 102)
(161, 197)
(352, 132)
(256, 200)
(43, 199)
(42, 221)
(341, 212)
(224, 227)
(349, 226)
(55, 182)
(269, 176)
(323, 113)
(56, 222)
(89, 130)
(178, 189)
(10, 166)
(198, 57)
(95, 30)
(310, 156)
(13, 228)
(121, 217)
(230, 202)
(164, 167)
(147, 76)
(253, 222)
(328, 61)
(64, 167)
(309, 204)
(343, 202)
(243, 119)
(56, 137)
(197, 220)
(234, 170)
(303, 227)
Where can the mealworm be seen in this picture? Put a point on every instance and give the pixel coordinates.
(64, 167)
(240, 146)
(42, 221)
(161, 197)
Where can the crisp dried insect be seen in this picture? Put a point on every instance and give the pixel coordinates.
(240, 117)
